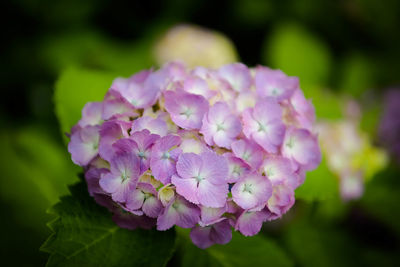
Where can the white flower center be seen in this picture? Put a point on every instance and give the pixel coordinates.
(275, 91)
(248, 188)
(290, 143)
(124, 176)
(220, 127)
(199, 178)
(166, 155)
(142, 155)
(261, 127)
(188, 112)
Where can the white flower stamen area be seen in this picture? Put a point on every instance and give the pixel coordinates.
(142, 155)
(124, 176)
(275, 91)
(248, 188)
(220, 127)
(237, 170)
(261, 127)
(199, 178)
(290, 143)
(166, 155)
(187, 112)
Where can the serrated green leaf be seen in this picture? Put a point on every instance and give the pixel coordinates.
(74, 89)
(241, 251)
(85, 235)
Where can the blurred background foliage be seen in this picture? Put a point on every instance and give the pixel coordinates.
(346, 49)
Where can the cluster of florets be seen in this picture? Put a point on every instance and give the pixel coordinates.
(349, 152)
(207, 149)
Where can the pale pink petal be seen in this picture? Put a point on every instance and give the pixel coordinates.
(211, 195)
(186, 187)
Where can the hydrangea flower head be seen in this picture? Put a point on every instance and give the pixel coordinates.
(214, 150)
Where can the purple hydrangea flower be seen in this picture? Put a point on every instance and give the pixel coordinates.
(301, 147)
(249, 223)
(92, 177)
(192, 143)
(211, 215)
(274, 83)
(91, 114)
(123, 176)
(238, 168)
(201, 178)
(116, 107)
(249, 152)
(178, 212)
(264, 124)
(220, 126)
(144, 197)
(144, 141)
(251, 191)
(141, 90)
(154, 125)
(186, 110)
(281, 201)
(164, 155)
(280, 170)
(207, 149)
(110, 132)
(198, 86)
(238, 76)
(125, 219)
(218, 233)
(304, 110)
(84, 144)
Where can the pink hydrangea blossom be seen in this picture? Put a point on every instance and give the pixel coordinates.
(220, 126)
(263, 124)
(302, 148)
(213, 150)
(201, 178)
(218, 233)
(237, 75)
(274, 83)
(186, 110)
(123, 176)
(163, 159)
(84, 145)
(252, 191)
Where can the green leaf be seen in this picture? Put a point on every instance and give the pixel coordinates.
(85, 235)
(357, 75)
(88, 49)
(382, 197)
(36, 171)
(298, 52)
(313, 244)
(327, 104)
(320, 184)
(371, 118)
(74, 89)
(241, 251)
